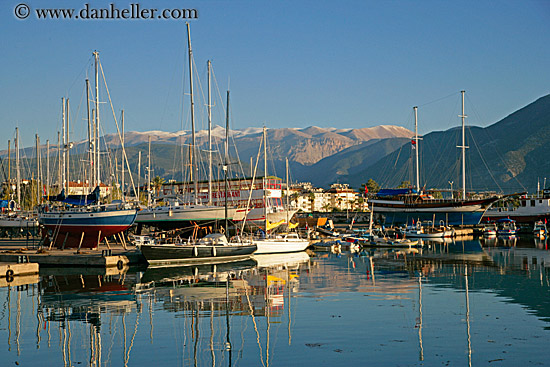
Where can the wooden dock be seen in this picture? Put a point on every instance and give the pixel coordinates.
(115, 257)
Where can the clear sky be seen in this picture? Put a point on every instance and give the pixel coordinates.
(345, 64)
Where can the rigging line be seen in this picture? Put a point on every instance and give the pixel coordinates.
(495, 146)
(84, 70)
(252, 180)
(483, 159)
(438, 100)
(118, 130)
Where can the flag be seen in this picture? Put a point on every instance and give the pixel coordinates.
(413, 142)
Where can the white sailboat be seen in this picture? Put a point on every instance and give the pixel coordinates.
(285, 242)
(180, 215)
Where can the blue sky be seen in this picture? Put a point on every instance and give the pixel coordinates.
(346, 64)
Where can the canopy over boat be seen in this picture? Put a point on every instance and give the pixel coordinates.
(91, 198)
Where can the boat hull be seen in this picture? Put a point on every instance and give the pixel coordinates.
(183, 217)
(168, 253)
(449, 212)
(85, 229)
(274, 246)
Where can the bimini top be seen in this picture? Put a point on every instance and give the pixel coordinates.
(506, 220)
(395, 192)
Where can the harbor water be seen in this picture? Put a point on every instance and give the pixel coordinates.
(471, 302)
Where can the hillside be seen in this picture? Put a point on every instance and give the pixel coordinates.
(510, 155)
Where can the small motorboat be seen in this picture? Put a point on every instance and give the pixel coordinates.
(507, 227)
(490, 230)
(540, 230)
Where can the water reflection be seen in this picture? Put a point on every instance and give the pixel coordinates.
(447, 302)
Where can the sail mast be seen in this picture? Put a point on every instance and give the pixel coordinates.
(96, 133)
(17, 143)
(122, 157)
(9, 170)
(463, 116)
(59, 179)
(37, 169)
(416, 147)
(90, 159)
(287, 194)
(265, 180)
(149, 175)
(226, 162)
(63, 127)
(68, 143)
(193, 165)
(210, 136)
(48, 169)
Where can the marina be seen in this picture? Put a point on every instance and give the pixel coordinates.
(311, 308)
(275, 190)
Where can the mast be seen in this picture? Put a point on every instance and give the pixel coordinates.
(59, 180)
(122, 157)
(287, 194)
(37, 169)
(416, 147)
(139, 175)
(210, 135)
(226, 157)
(48, 169)
(149, 176)
(463, 146)
(265, 152)
(9, 169)
(90, 157)
(63, 127)
(193, 165)
(96, 133)
(68, 147)
(17, 166)
(265, 180)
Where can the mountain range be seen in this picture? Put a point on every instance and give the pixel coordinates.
(509, 155)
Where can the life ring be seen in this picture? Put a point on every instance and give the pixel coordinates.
(119, 264)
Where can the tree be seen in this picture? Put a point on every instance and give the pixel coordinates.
(157, 184)
(372, 186)
(294, 197)
(311, 197)
(404, 185)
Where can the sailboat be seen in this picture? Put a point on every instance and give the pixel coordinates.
(284, 242)
(83, 222)
(12, 220)
(402, 206)
(214, 247)
(179, 215)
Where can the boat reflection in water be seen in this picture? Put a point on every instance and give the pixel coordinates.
(458, 302)
(211, 296)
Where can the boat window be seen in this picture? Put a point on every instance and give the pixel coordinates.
(523, 203)
(532, 202)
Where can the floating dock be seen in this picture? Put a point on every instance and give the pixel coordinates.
(116, 256)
